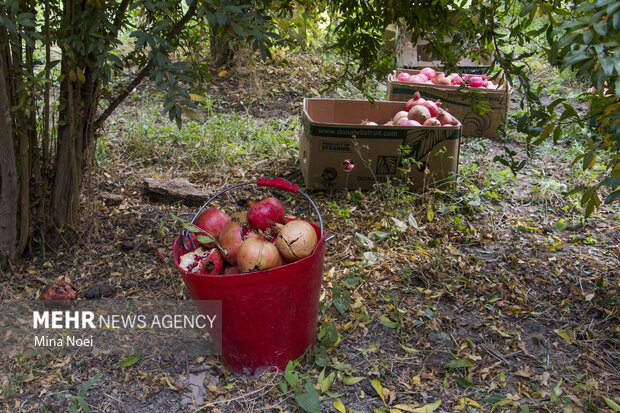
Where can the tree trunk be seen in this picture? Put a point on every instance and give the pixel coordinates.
(66, 191)
(23, 144)
(8, 170)
(221, 53)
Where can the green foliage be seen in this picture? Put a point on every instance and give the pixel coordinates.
(213, 140)
(237, 21)
(79, 401)
(582, 37)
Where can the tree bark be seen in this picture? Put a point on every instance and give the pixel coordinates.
(221, 53)
(23, 143)
(8, 170)
(46, 92)
(65, 194)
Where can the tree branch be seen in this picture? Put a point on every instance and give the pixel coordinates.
(146, 69)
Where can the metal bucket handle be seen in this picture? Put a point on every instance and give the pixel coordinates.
(277, 183)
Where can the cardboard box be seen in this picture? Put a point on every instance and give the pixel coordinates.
(333, 140)
(457, 102)
(413, 56)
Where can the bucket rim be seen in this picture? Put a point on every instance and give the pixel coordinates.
(178, 244)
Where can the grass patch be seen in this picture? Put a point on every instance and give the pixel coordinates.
(221, 140)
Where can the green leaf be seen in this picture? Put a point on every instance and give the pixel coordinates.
(560, 225)
(290, 375)
(130, 361)
(89, 384)
(612, 404)
(320, 356)
(458, 363)
(85, 407)
(493, 398)
(376, 384)
(340, 407)
(463, 382)
(588, 160)
(341, 299)
(562, 333)
(387, 322)
(433, 406)
(612, 197)
(351, 380)
(610, 181)
(186, 225)
(329, 335)
(221, 18)
(352, 282)
(203, 239)
(308, 400)
(326, 382)
(527, 9)
(430, 214)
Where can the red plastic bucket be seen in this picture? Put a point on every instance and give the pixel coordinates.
(268, 317)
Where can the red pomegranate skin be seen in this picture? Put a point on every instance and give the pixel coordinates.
(263, 214)
(211, 221)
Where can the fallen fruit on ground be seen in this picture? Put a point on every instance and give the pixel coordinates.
(61, 293)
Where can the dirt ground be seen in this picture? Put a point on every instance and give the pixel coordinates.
(490, 306)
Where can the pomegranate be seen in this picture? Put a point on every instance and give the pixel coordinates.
(418, 79)
(211, 221)
(432, 122)
(415, 100)
(203, 261)
(229, 270)
(408, 122)
(446, 119)
(441, 79)
(433, 107)
(429, 73)
(59, 293)
(348, 165)
(457, 80)
(419, 113)
(263, 214)
(230, 239)
(296, 240)
(257, 254)
(403, 76)
(399, 115)
(476, 81)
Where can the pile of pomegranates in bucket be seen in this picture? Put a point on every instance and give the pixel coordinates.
(257, 239)
(430, 76)
(421, 112)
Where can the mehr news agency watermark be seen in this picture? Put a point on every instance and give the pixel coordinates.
(83, 320)
(112, 326)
